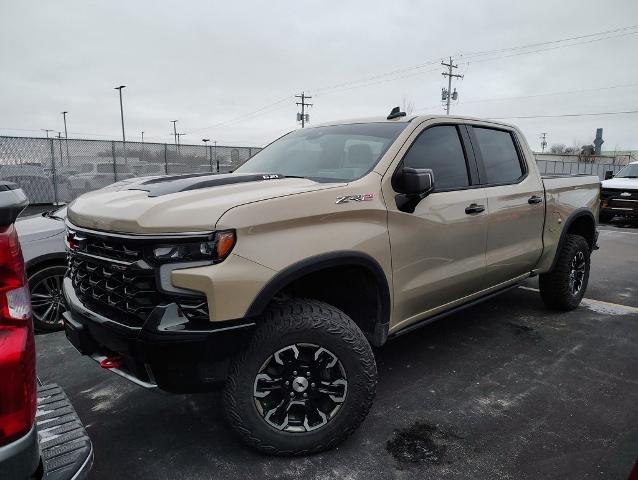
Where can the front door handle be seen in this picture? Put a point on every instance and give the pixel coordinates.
(474, 208)
(534, 199)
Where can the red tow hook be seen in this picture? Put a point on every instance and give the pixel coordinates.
(112, 362)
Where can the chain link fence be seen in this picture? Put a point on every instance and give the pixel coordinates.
(575, 168)
(57, 170)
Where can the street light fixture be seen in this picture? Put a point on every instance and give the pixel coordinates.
(122, 116)
(46, 130)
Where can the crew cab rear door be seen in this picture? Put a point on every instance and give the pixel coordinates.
(438, 251)
(515, 202)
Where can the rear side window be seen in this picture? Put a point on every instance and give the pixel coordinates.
(440, 149)
(500, 158)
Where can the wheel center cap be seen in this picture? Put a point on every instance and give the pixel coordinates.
(300, 384)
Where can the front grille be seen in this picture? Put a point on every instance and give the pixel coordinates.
(623, 199)
(111, 277)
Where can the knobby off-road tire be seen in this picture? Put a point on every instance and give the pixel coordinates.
(310, 326)
(563, 288)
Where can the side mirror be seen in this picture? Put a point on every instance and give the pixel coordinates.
(414, 184)
(609, 174)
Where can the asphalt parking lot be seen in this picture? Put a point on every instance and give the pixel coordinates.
(505, 389)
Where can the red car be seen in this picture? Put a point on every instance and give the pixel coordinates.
(41, 436)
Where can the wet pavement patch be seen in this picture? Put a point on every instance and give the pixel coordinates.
(524, 330)
(420, 443)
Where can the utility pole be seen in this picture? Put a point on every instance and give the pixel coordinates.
(122, 115)
(47, 130)
(303, 116)
(448, 94)
(66, 140)
(543, 141)
(174, 131)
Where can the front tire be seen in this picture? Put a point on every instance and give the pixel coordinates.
(563, 288)
(305, 382)
(47, 299)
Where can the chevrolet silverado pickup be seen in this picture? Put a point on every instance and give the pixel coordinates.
(274, 282)
(619, 195)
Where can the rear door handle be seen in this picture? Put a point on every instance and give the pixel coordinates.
(534, 199)
(474, 208)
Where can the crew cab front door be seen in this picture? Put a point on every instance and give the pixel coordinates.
(438, 251)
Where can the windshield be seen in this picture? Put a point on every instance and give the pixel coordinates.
(332, 153)
(630, 171)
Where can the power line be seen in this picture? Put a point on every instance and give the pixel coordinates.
(517, 97)
(567, 39)
(593, 114)
(488, 52)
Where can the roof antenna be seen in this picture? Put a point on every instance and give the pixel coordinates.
(396, 113)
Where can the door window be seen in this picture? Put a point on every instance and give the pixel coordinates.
(439, 148)
(500, 158)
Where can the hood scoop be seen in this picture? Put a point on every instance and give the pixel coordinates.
(157, 187)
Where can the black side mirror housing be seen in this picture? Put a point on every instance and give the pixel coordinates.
(414, 184)
(609, 174)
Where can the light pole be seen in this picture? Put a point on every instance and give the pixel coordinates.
(122, 116)
(142, 136)
(66, 140)
(143, 152)
(47, 130)
(206, 140)
(174, 131)
(216, 159)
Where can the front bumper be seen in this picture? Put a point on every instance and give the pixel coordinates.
(168, 351)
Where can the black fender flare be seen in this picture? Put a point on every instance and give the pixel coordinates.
(575, 215)
(47, 258)
(320, 262)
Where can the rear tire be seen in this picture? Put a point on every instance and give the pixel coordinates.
(286, 403)
(563, 288)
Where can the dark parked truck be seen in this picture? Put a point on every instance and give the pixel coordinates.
(41, 436)
(274, 282)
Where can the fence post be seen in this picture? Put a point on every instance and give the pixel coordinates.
(114, 161)
(166, 159)
(210, 151)
(54, 175)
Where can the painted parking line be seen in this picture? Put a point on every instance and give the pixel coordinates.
(605, 230)
(599, 306)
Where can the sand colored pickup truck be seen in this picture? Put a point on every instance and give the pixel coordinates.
(274, 282)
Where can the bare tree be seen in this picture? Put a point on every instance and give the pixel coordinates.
(408, 105)
(557, 148)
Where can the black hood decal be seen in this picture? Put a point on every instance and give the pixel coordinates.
(157, 187)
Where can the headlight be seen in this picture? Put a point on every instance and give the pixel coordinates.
(215, 249)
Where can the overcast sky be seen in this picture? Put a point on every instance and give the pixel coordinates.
(211, 65)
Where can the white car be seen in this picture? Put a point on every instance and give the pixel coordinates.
(619, 195)
(42, 239)
(93, 176)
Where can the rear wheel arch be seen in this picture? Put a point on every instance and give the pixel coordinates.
(353, 282)
(580, 222)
